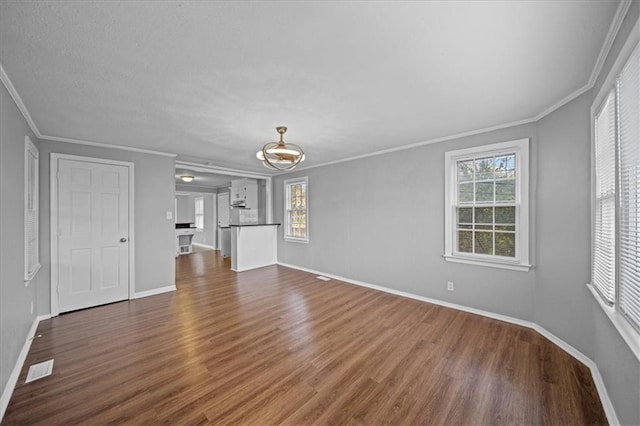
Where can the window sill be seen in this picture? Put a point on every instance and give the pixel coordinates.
(488, 263)
(31, 276)
(296, 240)
(626, 330)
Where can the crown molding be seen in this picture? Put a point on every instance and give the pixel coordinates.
(415, 145)
(18, 100)
(206, 168)
(618, 18)
(201, 189)
(614, 28)
(105, 145)
(32, 125)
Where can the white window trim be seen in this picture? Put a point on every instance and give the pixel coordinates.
(30, 150)
(288, 182)
(521, 148)
(195, 202)
(629, 334)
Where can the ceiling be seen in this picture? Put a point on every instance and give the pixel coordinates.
(203, 179)
(209, 81)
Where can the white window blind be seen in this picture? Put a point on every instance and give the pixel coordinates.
(31, 209)
(628, 91)
(604, 260)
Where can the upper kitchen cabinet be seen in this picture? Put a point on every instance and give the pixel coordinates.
(244, 193)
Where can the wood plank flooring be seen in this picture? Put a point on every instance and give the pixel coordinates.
(278, 346)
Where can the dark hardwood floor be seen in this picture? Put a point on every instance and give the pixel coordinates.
(275, 345)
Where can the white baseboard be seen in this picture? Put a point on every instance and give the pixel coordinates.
(141, 294)
(204, 245)
(17, 368)
(595, 373)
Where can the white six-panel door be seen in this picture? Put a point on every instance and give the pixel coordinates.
(92, 234)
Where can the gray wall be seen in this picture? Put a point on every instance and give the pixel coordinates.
(155, 243)
(365, 214)
(15, 299)
(185, 209)
(186, 213)
(262, 201)
(380, 220)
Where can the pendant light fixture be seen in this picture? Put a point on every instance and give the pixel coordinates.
(280, 155)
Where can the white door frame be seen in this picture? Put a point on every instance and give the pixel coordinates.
(53, 182)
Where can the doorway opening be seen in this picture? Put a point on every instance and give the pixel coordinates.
(211, 199)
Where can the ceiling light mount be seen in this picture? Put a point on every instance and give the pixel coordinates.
(280, 155)
(187, 178)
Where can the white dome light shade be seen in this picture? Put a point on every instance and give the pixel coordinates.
(187, 178)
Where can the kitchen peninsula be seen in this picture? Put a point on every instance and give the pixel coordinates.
(253, 246)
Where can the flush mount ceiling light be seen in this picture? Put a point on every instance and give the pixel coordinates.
(187, 178)
(280, 155)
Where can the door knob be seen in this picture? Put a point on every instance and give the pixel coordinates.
(123, 240)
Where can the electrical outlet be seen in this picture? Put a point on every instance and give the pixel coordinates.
(32, 306)
(450, 285)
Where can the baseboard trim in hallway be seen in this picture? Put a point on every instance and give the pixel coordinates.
(141, 294)
(15, 373)
(277, 346)
(17, 368)
(595, 373)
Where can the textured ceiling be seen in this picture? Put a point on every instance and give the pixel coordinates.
(203, 179)
(209, 81)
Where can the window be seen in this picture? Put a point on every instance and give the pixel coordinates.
(615, 268)
(604, 209)
(486, 216)
(296, 215)
(199, 213)
(31, 211)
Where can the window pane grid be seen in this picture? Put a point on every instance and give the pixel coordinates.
(487, 180)
(487, 213)
(296, 210)
(487, 230)
(486, 206)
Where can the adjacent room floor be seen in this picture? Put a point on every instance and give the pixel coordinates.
(275, 345)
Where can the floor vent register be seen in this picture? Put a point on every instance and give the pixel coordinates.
(40, 370)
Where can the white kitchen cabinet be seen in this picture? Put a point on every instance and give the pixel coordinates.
(244, 193)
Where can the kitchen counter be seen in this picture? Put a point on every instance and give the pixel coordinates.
(253, 246)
